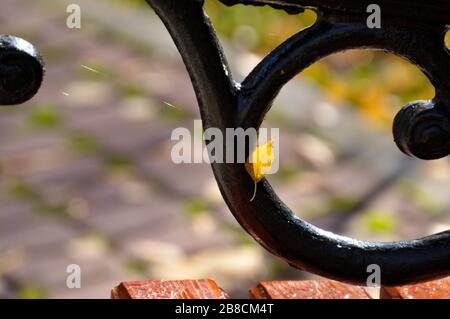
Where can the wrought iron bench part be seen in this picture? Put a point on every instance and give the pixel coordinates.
(436, 11)
(21, 70)
(421, 129)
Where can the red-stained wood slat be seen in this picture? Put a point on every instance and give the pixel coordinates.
(303, 289)
(169, 289)
(307, 289)
(437, 289)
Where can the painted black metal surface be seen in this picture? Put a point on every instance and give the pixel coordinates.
(420, 129)
(21, 70)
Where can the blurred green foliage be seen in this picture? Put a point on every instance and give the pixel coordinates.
(118, 163)
(424, 199)
(44, 116)
(380, 221)
(24, 191)
(83, 144)
(172, 113)
(195, 207)
(270, 27)
(287, 173)
(131, 90)
(31, 292)
(55, 211)
(137, 267)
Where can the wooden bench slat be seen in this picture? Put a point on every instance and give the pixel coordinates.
(307, 289)
(438, 289)
(169, 289)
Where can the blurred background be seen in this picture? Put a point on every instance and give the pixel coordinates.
(85, 170)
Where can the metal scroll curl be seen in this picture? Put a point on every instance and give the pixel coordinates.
(420, 129)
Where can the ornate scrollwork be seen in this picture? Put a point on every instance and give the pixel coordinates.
(421, 129)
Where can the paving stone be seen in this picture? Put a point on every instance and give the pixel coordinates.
(195, 176)
(36, 271)
(134, 137)
(72, 173)
(33, 232)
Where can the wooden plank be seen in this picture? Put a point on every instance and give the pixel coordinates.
(438, 289)
(307, 289)
(169, 289)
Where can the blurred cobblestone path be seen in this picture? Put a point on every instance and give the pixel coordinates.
(86, 176)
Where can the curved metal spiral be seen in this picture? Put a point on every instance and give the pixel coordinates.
(422, 130)
(21, 70)
(226, 105)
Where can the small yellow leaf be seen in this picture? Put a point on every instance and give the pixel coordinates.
(259, 163)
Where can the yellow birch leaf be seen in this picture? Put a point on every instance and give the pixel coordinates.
(259, 163)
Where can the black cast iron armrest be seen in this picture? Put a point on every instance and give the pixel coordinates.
(414, 30)
(434, 11)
